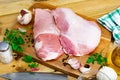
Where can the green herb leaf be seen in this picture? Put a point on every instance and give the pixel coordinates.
(98, 58)
(14, 38)
(104, 59)
(90, 60)
(6, 32)
(28, 59)
(19, 49)
(23, 33)
(20, 40)
(33, 65)
(16, 47)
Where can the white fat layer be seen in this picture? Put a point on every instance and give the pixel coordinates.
(83, 33)
(48, 31)
(50, 56)
(38, 45)
(89, 35)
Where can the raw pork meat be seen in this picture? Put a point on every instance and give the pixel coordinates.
(78, 36)
(46, 35)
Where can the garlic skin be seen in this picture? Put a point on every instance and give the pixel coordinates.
(74, 63)
(21, 29)
(106, 73)
(24, 17)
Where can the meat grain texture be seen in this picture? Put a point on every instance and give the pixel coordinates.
(46, 35)
(78, 36)
(61, 30)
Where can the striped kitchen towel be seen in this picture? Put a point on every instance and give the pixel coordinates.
(111, 21)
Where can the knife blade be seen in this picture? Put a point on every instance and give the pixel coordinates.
(34, 76)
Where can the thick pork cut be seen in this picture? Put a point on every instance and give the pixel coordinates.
(78, 36)
(46, 35)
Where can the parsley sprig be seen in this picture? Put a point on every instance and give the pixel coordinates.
(98, 58)
(14, 38)
(31, 63)
(28, 59)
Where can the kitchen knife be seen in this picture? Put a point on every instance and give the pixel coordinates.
(34, 76)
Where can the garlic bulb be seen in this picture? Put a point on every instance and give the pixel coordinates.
(106, 73)
(24, 17)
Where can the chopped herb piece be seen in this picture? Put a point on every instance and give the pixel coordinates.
(90, 60)
(14, 38)
(98, 58)
(6, 32)
(33, 65)
(28, 59)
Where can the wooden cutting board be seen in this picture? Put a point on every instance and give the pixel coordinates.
(58, 64)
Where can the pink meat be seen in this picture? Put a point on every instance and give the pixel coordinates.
(78, 36)
(44, 23)
(46, 35)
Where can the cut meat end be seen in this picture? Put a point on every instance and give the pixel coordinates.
(46, 35)
(67, 45)
(61, 23)
(44, 22)
(79, 36)
(48, 47)
(73, 34)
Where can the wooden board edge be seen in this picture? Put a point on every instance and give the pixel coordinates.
(47, 63)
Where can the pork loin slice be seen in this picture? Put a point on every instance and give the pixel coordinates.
(46, 35)
(78, 36)
(44, 23)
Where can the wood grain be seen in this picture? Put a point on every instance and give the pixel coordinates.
(58, 64)
(62, 2)
(13, 6)
(93, 8)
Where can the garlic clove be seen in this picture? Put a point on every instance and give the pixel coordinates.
(74, 63)
(75, 66)
(106, 73)
(24, 17)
